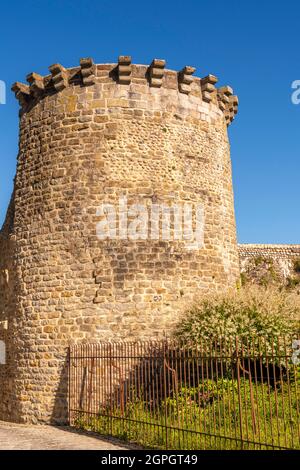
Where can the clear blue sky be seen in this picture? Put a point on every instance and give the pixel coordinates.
(251, 45)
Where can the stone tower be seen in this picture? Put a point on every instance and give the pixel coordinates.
(92, 135)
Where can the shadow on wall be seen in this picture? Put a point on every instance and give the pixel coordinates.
(60, 413)
(10, 405)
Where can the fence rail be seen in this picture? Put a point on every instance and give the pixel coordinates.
(239, 394)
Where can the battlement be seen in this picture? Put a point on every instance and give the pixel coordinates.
(124, 73)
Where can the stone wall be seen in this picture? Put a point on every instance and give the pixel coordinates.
(8, 301)
(89, 135)
(274, 261)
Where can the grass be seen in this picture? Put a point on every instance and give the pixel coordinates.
(215, 415)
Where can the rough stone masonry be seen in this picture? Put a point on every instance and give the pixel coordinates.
(89, 135)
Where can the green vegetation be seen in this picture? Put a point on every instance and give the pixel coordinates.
(258, 317)
(260, 260)
(297, 266)
(227, 382)
(210, 417)
(243, 280)
(292, 282)
(261, 271)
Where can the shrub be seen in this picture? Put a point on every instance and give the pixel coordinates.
(249, 313)
(261, 271)
(243, 279)
(292, 282)
(259, 260)
(297, 266)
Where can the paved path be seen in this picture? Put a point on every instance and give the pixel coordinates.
(23, 437)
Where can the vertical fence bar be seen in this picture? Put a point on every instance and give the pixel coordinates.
(69, 385)
(203, 393)
(296, 373)
(267, 366)
(239, 393)
(245, 415)
(110, 352)
(289, 389)
(165, 347)
(283, 401)
(274, 370)
(254, 359)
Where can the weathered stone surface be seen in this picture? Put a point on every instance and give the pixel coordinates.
(81, 146)
(124, 69)
(185, 79)
(279, 260)
(87, 71)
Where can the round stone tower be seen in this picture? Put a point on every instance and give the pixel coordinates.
(122, 215)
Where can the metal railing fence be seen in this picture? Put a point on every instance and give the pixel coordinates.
(162, 395)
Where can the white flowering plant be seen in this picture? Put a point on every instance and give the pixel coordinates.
(251, 320)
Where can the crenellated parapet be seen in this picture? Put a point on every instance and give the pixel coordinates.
(185, 79)
(88, 70)
(60, 77)
(124, 69)
(22, 93)
(156, 72)
(89, 74)
(36, 82)
(208, 87)
(228, 103)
